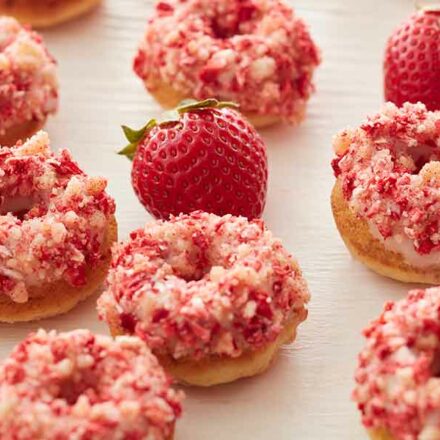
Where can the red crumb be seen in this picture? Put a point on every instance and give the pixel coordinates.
(390, 173)
(53, 218)
(257, 53)
(397, 379)
(200, 284)
(29, 85)
(60, 386)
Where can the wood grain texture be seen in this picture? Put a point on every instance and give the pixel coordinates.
(306, 395)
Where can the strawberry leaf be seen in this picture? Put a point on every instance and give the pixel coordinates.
(129, 151)
(134, 137)
(130, 134)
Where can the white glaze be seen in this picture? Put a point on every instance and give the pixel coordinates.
(402, 245)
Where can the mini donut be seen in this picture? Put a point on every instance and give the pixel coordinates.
(397, 379)
(257, 53)
(46, 13)
(386, 200)
(213, 297)
(57, 226)
(28, 82)
(76, 385)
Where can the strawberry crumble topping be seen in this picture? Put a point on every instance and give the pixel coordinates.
(257, 53)
(200, 285)
(82, 386)
(28, 81)
(389, 170)
(53, 218)
(398, 376)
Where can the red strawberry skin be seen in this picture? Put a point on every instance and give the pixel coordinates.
(212, 159)
(412, 61)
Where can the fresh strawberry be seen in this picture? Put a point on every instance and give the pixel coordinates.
(412, 61)
(204, 156)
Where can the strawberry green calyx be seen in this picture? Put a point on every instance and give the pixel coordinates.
(134, 137)
(172, 116)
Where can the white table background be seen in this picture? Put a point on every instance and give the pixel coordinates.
(306, 395)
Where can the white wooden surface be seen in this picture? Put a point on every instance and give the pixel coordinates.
(306, 395)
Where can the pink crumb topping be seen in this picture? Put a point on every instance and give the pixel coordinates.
(82, 386)
(398, 376)
(53, 218)
(202, 285)
(389, 169)
(254, 52)
(28, 81)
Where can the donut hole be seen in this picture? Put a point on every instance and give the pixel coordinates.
(191, 257)
(71, 388)
(192, 277)
(199, 263)
(416, 158)
(419, 164)
(222, 32)
(421, 160)
(192, 267)
(192, 252)
(17, 206)
(227, 24)
(70, 392)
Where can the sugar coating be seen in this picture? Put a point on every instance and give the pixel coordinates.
(254, 52)
(28, 80)
(76, 385)
(201, 285)
(398, 375)
(389, 169)
(53, 218)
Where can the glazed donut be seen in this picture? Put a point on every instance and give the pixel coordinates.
(78, 385)
(28, 82)
(46, 13)
(397, 379)
(254, 52)
(213, 297)
(56, 229)
(386, 200)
